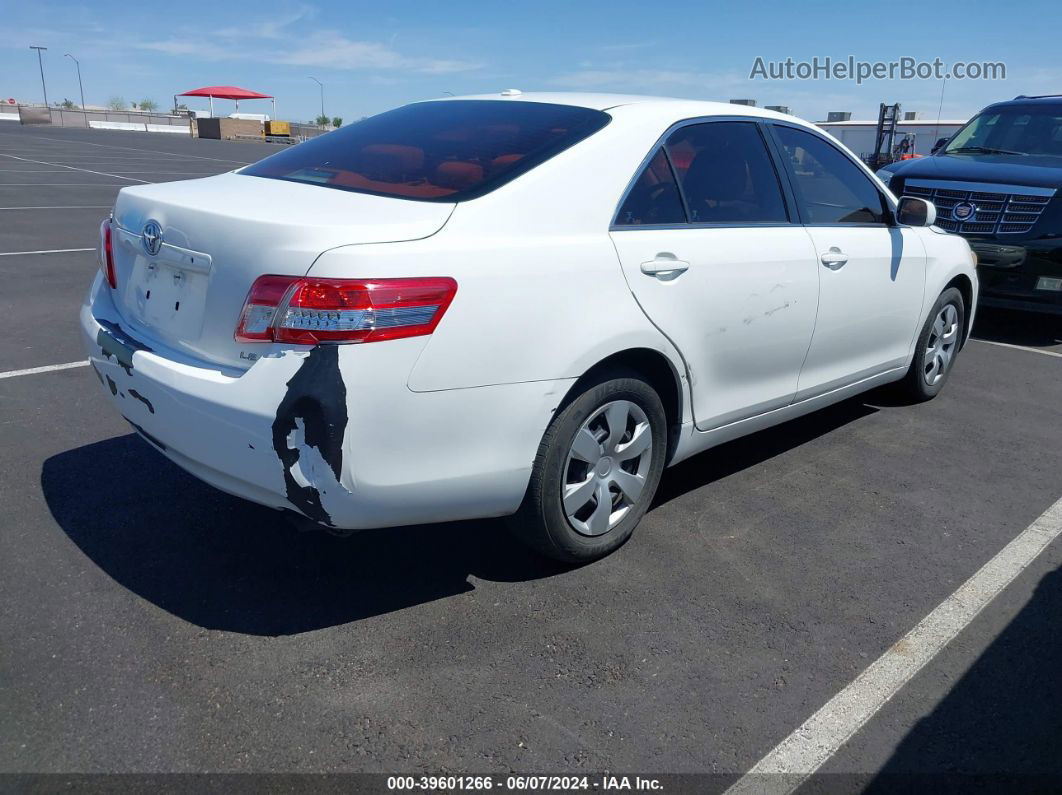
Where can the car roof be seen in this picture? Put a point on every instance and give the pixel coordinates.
(1047, 99)
(598, 101)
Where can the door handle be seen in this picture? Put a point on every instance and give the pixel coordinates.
(834, 259)
(664, 266)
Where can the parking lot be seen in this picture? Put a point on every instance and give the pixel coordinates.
(151, 623)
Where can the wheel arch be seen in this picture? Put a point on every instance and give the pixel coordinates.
(964, 285)
(658, 371)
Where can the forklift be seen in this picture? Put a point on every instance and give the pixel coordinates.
(885, 138)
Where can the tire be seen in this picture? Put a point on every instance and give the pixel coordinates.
(587, 532)
(934, 354)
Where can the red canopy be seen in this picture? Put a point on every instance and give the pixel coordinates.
(225, 92)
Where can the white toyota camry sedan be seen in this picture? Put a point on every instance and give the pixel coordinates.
(521, 305)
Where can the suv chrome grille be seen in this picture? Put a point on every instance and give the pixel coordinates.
(1006, 212)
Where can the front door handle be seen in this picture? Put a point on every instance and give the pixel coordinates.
(665, 266)
(834, 259)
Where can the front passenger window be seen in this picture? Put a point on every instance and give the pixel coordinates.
(833, 189)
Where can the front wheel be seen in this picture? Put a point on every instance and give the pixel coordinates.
(937, 347)
(597, 469)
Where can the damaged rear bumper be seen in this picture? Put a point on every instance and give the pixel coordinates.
(333, 432)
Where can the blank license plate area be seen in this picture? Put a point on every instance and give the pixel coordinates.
(1048, 283)
(170, 299)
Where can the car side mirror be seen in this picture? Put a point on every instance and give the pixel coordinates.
(915, 212)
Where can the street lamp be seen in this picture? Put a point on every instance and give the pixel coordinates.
(40, 63)
(314, 79)
(81, 87)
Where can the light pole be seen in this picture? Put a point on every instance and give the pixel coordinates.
(81, 87)
(40, 63)
(314, 79)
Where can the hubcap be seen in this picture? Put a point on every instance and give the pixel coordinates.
(940, 350)
(607, 467)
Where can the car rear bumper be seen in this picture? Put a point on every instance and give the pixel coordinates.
(333, 432)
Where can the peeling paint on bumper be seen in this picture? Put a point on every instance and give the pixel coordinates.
(333, 432)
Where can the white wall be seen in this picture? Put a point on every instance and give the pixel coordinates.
(178, 129)
(860, 138)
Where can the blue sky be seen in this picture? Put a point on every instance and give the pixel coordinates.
(373, 56)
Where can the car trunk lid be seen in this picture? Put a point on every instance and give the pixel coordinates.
(215, 236)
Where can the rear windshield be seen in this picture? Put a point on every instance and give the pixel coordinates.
(435, 151)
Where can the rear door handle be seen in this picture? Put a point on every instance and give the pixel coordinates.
(664, 266)
(834, 259)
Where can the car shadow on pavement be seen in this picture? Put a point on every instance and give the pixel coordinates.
(1032, 329)
(223, 563)
(748, 451)
(1000, 727)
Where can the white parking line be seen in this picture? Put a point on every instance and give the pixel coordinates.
(105, 158)
(804, 751)
(72, 168)
(46, 369)
(43, 251)
(1019, 347)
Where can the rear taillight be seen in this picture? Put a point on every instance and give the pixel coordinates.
(307, 311)
(107, 253)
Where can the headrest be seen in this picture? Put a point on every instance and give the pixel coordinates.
(390, 162)
(457, 174)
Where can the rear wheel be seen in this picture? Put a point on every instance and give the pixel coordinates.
(937, 347)
(596, 471)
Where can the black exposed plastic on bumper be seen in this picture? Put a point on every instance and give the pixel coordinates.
(317, 397)
(116, 344)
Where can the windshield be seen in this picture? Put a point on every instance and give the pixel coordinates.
(435, 151)
(1012, 130)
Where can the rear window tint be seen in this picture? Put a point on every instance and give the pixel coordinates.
(726, 174)
(654, 198)
(435, 151)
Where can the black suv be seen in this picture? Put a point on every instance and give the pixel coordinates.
(997, 183)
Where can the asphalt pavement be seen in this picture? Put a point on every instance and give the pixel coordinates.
(153, 624)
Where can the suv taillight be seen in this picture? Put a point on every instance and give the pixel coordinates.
(107, 253)
(306, 311)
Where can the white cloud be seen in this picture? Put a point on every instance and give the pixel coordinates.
(274, 27)
(629, 79)
(626, 47)
(186, 46)
(321, 49)
(335, 51)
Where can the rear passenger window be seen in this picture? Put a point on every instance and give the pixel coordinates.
(832, 188)
(726, 174)
(654, 199)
